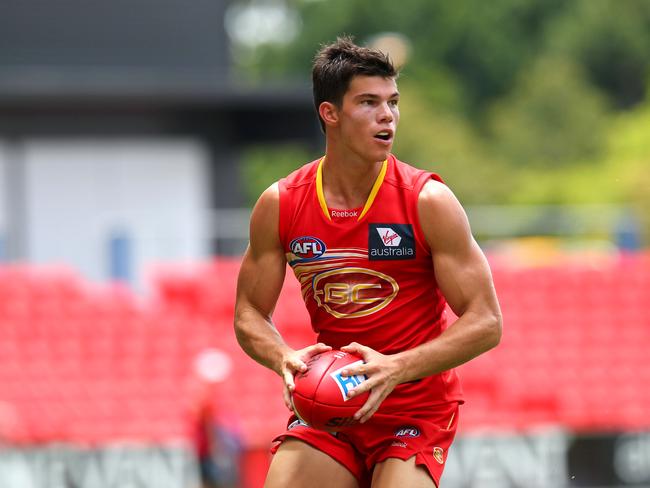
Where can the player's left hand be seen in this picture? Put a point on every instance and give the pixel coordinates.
(383, 373)
(295, 361)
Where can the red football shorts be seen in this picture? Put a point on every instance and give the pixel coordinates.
(426, 435)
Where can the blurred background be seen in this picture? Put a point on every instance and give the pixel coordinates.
(134, 139)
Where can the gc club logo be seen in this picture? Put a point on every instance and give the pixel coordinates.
(307, 247)
(353, 292)
(439, 454)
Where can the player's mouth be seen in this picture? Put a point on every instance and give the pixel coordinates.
(385, 136)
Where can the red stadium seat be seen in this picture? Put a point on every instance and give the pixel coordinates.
(95, 364)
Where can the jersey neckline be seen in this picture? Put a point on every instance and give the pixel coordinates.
(371, 198)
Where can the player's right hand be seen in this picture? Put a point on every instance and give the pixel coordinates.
(295, 361)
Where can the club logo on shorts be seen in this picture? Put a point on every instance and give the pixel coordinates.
(353, 292)
(408, 431)
(346, 383)
(438, 454)
(390, 241)
(307, 247)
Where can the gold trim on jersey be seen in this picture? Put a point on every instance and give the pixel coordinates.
(371, 198)
(354, 253)
(319, 189)
(305, 270)
(451, 421)
(375, 189)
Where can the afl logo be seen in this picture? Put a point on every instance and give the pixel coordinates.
(407, 432)
(348, 293)
(307, 247)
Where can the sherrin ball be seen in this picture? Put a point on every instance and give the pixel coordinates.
(320, 397)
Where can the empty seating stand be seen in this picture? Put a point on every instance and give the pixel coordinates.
(93, 364)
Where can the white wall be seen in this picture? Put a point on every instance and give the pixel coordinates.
(79, 192)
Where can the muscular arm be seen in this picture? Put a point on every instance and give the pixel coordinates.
(260, 280)
(464, 277)
(258, 287)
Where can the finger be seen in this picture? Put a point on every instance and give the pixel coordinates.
(287, 398)
(368, 415)
(288, 380)
(352, 347)
(359, 350)
(295, 364)
(369, 408)
(364, 387)
(357, 370)
(320, 347)
(299, 363)
(365, 412)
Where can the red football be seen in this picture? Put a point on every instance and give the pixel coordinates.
(320, 398)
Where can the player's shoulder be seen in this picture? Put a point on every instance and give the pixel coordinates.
(270, 195)
(435, 190)
(268, 201)
(408, 176)
(264, 219)
(299, 179)
(437, 203)
(304, 175)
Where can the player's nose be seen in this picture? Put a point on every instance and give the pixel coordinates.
(385, 113)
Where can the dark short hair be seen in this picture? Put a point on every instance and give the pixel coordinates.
(336, 64)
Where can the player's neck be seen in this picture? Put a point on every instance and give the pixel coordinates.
(348, 180)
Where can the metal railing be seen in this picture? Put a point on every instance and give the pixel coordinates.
(618, 224)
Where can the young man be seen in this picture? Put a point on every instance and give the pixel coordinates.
(379, 248)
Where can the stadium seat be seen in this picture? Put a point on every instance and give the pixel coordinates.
(94, 364)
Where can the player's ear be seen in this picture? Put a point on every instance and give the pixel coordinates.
(329, 113)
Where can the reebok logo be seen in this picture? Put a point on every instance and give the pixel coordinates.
(344, 213)
(390, 241)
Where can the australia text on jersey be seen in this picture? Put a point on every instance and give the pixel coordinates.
(395, 241)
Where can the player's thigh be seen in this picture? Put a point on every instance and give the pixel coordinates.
(299, 465)
(398, 472)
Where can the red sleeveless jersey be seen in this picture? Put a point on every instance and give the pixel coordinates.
(366, 275)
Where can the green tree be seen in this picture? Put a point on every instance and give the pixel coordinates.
(265, 164)
(446, 143)
(482, 44)
(510, 100)
(552, 118)
(611, 40)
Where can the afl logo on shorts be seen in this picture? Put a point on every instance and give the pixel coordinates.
(407, 432)
(307, 247)
(353, 292)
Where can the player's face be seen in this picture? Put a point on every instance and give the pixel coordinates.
(368, 117)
